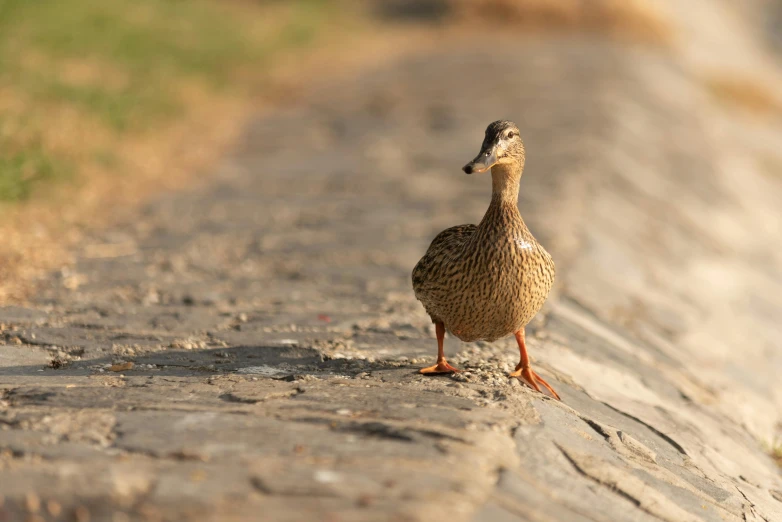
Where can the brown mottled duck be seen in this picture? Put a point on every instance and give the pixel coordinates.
(488, 281)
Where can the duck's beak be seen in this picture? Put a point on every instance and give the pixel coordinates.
(483, 162)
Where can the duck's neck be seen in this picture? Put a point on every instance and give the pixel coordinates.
(503, 216)
(505, 185)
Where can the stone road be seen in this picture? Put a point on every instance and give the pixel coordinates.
(274, 336)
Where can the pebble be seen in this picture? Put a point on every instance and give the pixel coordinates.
(32, 502)
(54, 508)
(325, 476)
(82, 514)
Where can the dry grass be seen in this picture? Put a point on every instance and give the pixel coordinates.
(632, 20)
(775, 450)
(777, 456)
(745, 93)
(39, 234)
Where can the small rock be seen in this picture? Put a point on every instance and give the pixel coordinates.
(81, 514)
(54, 508)
(32, 502)
(365, 500)
(325, 476)
(198, 475)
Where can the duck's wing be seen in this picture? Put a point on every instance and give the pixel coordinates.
(433, 269)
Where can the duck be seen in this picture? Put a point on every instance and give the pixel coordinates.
(485, 282)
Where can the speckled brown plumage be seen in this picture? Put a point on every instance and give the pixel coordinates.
(487, 281)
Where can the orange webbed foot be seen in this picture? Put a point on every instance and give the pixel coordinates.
(530, 377)
(440, 368)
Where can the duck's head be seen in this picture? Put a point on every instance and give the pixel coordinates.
(501, 146)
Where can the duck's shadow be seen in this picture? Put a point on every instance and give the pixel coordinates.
(279, 362)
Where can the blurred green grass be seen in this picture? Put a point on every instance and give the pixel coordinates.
(122, 64)
(776, 452)
(19, 171)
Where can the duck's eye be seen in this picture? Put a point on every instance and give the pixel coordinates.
(510, 135)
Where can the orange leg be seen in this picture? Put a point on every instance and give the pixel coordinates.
(524, 371)
(442, 366)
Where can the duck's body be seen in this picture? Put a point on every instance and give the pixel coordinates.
(488, 281)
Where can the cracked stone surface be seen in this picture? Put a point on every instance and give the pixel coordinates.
(274, 336)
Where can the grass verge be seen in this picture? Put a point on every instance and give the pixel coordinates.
(80, 76)
(105, 101)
